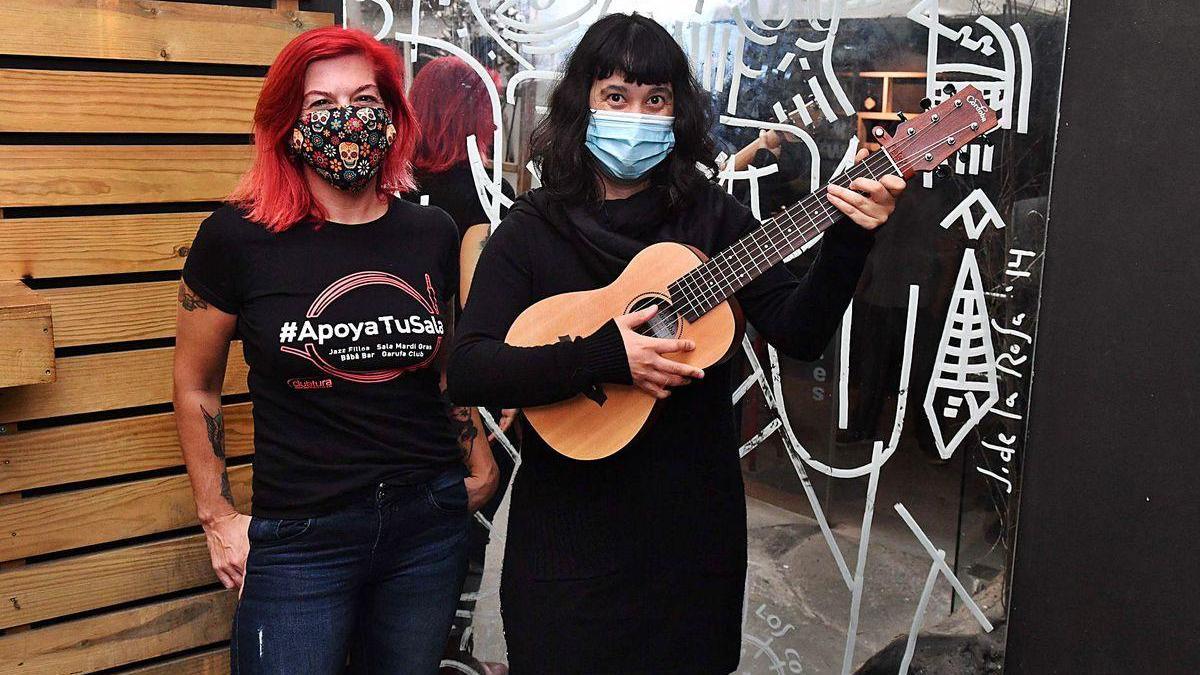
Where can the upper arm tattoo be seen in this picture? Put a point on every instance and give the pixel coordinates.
(189, 300)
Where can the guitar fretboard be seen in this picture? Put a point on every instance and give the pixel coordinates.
(710, 284)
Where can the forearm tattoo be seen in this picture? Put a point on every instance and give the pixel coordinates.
(464, 427)
(216, 438)
(189, 300)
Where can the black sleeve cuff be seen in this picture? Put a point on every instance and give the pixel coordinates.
(207, 294)
(604, 356)
(851, 238)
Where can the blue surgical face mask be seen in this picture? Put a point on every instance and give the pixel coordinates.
(629, 144)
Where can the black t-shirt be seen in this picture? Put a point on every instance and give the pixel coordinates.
(342, 327)
(453, 191)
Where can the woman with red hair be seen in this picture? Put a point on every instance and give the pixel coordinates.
(364, 476)
(451, 103)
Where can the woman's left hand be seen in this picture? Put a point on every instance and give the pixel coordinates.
(507, 416)
(869, 202)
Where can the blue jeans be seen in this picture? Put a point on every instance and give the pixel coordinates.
(378, 581)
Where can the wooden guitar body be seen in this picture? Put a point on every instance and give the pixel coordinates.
(597, 425)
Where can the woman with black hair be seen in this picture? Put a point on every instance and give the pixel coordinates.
(634, 563)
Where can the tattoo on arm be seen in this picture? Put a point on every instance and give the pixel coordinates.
(226, 490)
(189, 300)
(463, 426)
(216, 431)
(216, 438)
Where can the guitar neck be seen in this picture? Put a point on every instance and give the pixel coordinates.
(788, 231)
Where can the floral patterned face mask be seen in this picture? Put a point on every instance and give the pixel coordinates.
(345, 145)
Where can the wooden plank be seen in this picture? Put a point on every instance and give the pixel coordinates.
(100, 102)
(76, 246)
(85, 315)
(211, 662)
(69, 520)
(146, 30)
(26, 336)
(46, 457)
(71, 585)
(107, 382)
(121, 637)
(60, 175)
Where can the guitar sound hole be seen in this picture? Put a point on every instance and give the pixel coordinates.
(664, 325)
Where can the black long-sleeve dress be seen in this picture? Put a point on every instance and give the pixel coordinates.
(635, 563)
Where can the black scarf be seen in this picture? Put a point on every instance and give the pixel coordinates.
(610, 234)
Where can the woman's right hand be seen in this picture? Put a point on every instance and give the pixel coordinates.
(653, 373)
(228, 546)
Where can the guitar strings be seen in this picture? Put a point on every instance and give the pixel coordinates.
(664, 322)
(805, 206)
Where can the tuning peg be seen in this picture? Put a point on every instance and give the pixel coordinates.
(900, 116)
(942, 171)
(926, 104)
(950, 89)
(987, 140)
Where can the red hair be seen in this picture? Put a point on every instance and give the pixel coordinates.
(450, 103)
(273, 190)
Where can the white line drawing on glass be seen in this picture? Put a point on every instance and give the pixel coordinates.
(494, 428)
(860, 567)
(919, 616)
(901, 401)
(486, 189)
(761, 651)
(964, 373)
(965, 213)
(814, 152)
(751, 174)
(761, 436)
(825, 46)
(844, 367)
(937, 557)
(847, 318)
(388, 16)
(548, 37)
(495, 35)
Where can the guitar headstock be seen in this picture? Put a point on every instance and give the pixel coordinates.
(925, 141)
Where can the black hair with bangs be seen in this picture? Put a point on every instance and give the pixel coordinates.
(647, 54)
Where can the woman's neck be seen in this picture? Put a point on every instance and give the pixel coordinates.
(613, 189)
(349, 208)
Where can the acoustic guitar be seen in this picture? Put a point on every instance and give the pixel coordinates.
(694, 294)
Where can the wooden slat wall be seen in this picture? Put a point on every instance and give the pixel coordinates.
(73, 175)
(121, 637)
(44, 248)
(101, 102)
(98, 382)
(67, 520)
(102, 566)
(87, 315)
(145, 30)
(210, 662)
(48, 457)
